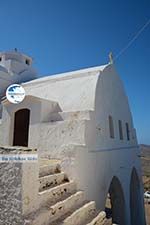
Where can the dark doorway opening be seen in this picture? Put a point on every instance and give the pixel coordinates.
(115, 203)
(21, 127)
(136, 201)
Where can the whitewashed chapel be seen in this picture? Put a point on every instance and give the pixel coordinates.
(82, 120)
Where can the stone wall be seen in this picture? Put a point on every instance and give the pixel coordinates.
(10, 193)
(18, 187)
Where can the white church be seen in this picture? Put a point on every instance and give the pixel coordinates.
(81, 125)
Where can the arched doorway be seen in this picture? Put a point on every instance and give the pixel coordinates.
(21, 127)
(115, 203)
(136, 201)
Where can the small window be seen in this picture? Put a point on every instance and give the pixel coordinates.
(27, 61)
(127, 131)
(111, 127)
(0, 59)
(120, 129)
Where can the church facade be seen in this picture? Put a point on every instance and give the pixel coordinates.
(82, 118)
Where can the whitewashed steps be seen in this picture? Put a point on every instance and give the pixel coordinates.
(50, 214)
(55, 194)
(59, 201)
(51, 180)
(99, 219)
(49, 169)
(80, 215)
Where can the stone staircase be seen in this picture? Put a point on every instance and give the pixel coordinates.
(60, 203)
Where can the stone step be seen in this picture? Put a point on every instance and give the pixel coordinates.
(99, 219)
(80, 215)
(55, 212)
(55, 194)
(45, 170)
(46, 160)
(52, 180)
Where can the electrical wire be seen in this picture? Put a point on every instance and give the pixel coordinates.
(132, 40)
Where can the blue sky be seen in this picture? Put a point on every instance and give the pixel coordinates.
(65, 35)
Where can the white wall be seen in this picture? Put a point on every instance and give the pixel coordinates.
(88, 153)
(39, 111)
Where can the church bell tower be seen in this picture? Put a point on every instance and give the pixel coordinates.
(15, 67)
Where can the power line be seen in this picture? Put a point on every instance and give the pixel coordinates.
(133, 39)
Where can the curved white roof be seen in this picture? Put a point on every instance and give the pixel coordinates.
(74, 91)
(67, 75)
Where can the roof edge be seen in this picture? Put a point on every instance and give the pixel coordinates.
(67, 75)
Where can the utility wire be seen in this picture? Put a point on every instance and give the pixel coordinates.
(125, 48)
(132, 40)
